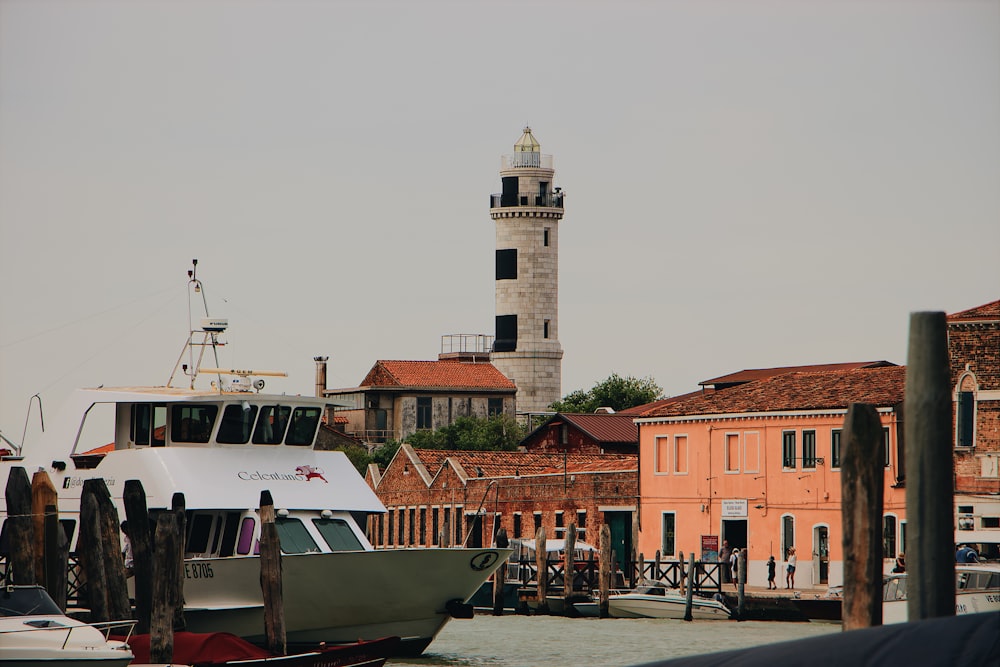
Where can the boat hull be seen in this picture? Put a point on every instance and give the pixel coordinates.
(637, 605)
(340, 597)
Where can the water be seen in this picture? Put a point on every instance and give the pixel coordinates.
(556, 641)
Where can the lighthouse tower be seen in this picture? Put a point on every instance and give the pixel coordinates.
(527, 214)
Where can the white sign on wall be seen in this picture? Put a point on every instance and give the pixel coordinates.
(734, 508)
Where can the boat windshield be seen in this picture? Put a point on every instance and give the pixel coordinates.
(27, 601)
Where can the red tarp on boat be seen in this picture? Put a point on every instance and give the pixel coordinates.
(210, 649)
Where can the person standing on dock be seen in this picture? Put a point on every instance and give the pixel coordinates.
(724, 555)
(771, 565)
(790, 570)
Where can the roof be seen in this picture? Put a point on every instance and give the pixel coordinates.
(601, 427)
(510, 464)
(880, 386)
(987, 311)
(751, 374)
(438, 374)
(647, 407)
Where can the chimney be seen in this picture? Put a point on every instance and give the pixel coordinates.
(320, 375)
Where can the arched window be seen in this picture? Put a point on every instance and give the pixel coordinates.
(965, 410)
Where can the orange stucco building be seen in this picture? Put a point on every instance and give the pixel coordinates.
(758, 464)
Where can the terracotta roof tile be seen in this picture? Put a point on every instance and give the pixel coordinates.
(882, 387)
(507, 464)
(604, 428)
(438, 374)
(751, 374)
(988, 311)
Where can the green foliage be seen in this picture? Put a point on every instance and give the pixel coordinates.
(383, 454)
(616, 392)
(498, 433)
(358, 456)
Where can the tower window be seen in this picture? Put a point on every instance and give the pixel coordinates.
(545, 237)
(507, 264)
(506, 339)
(545, 329)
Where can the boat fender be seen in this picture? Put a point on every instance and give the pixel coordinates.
(459, 609)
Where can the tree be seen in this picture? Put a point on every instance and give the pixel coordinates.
(616, 392)
(497, 433)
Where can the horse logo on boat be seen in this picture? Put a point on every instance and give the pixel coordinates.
(310, 473)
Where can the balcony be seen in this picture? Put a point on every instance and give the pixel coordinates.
(550, 200)
(525, 160)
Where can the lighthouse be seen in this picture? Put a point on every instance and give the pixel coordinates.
(527, 212)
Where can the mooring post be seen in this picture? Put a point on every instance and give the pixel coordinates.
(682, 577)
(542, 567)
(604, 578)
(91, 550)
(19, 526)
(179, 507)
(43, 494)
(141, 540)
(741, 582)
(56, 552)
(165, 588)
(569, 564)
(930, 536)
(270, 577)
(862, 480)
(689, 600)
(500, 576)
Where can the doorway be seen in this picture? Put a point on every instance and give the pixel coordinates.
(821, 554)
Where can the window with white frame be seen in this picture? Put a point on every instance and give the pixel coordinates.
(680, 455)
(788, 449)
(732, 452)
(661, 453)
(835, 448)
(809, 449)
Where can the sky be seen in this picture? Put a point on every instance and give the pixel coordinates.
(749, 184)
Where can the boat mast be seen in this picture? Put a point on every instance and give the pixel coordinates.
(209, 332)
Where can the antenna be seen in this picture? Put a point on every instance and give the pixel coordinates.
(209, 330)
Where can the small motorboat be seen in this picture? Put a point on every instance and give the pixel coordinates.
(221, 649)
(654, 599)
(34, 632)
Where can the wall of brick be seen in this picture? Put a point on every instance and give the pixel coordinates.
(974, 347)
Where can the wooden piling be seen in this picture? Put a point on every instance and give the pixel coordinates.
(500, 576)
(179, 507)
(683, 574)
(141, 539)
(19, 528)
(689, 600)
(656, 566)
(166, 586)
(862, 478)
(741, 582)
(56, 550)
(270, 577)
(569, 564)
(930, 537)
(542, 567)
(91, 553)
(43, 494)
(604, 578)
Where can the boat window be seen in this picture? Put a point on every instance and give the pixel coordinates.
(895, 589)
(192, 423)
(148, 424)
(294, 537)
(237, 424)
(338, 534)
(246, 536)
(303, 426)
(199, 531)
(229, 533)
(271, 424)
(27, 601)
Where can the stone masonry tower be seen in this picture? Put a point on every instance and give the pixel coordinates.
(527, 214)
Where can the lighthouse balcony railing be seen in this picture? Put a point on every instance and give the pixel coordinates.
(535, 199)
(526, 160)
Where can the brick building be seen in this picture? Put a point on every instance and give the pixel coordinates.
(442, 497)
(599, 433)
(974, 353)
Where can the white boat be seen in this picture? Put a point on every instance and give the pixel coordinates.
(977, 590)
(654, 599)
(221, 446)
(35, 633)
